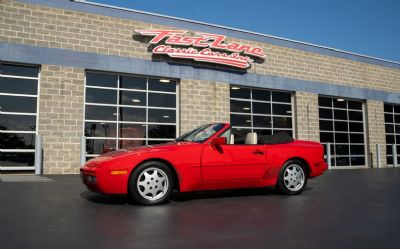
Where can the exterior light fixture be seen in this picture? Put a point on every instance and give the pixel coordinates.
(246, 108)
(235, 88)
(166, 116)
(340, 100)
(136, 100)
(165, 81)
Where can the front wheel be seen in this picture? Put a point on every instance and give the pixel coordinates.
(292, 178)
(151, 183)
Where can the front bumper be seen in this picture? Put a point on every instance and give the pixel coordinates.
(104, 180)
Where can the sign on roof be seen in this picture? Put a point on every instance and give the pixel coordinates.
(202, 47)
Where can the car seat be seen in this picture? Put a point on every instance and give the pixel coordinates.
(251, 138)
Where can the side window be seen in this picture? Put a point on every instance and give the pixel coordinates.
(227, 135)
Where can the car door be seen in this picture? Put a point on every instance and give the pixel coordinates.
(233, 162)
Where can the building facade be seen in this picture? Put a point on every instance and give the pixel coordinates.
(71, 69)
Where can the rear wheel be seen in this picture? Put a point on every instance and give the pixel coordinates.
(151, 183)
(292, 178)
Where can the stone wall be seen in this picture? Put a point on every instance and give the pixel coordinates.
(61, 117)
(202, 102)
(306, 116)
(376, 131)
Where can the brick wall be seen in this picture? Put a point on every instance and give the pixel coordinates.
(57, 28)
(60, 117)
(376, 130)
(202, 102)
(306, 116)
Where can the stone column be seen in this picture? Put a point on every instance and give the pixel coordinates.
(306, 116)
(375, 131)
(61, 117)
(202, 102)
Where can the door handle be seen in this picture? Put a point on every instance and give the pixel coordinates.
(258, 152)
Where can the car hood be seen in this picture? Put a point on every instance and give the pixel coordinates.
(139, 149)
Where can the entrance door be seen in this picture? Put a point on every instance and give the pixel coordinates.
(234, 162)
(18, 116)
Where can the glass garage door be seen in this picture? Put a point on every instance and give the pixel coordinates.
(392, 131)
(123, 111)
(262, 111)
(341, 123)
(18, 116)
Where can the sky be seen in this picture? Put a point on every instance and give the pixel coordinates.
(368, 27)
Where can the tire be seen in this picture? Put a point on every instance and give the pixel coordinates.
(292, 178)
(150, 183)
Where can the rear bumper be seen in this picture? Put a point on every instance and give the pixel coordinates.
(318, 169)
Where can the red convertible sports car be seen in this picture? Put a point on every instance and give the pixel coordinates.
(206, 158)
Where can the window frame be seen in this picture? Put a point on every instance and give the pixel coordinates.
(117, 105)
(35, 114)
(270, 115)
(333, 144)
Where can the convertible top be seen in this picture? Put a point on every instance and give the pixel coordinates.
(278, 138)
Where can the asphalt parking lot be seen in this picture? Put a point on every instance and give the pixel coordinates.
(342, 209)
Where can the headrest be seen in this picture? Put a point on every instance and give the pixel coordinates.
(251, 138)
(232, 139)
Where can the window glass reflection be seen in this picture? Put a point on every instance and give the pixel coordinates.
(18, 86)
(240, 106)
(162, 116)
(104, 96)
(100, 146)
(17, 122)
(129, 82)
(94, 112)
(18, 104)
(100, 129)
(162, 100)
(100, 79)
(261, 108)
(132, 98)
(241, 120)
(19, 70)
(17, 159)
(240, 93)
(162, 131)
(162, 85)
(17, 141)
(130, 114)
(132, 130)
(261, 95)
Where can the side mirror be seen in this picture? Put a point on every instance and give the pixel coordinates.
(217, 142)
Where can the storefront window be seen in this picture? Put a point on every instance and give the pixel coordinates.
(124, 111)
(392, 131)
(258, 110)
(341, 123)
(18, 116)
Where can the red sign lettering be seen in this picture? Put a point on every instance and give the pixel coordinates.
(226, 54)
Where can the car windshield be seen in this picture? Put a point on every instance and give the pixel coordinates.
(201, 133)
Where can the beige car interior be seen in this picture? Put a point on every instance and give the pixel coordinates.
(251, 138)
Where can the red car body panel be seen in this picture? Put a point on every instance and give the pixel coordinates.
(199, 166)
